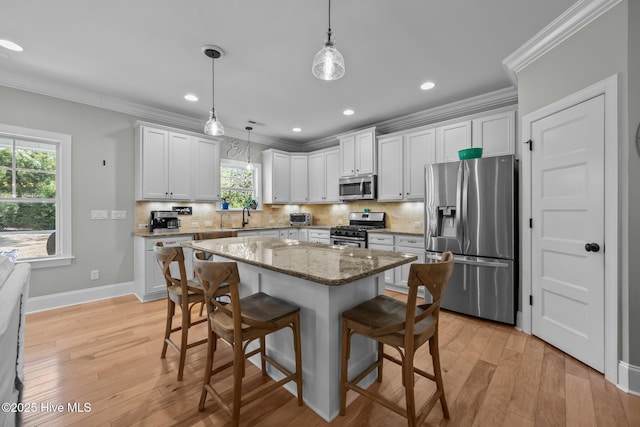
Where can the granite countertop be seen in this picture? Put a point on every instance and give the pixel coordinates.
(324, 264)
(146, 233)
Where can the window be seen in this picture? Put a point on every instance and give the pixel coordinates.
(239, 186)
(35, 196)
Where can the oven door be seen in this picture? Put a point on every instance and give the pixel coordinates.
(347, 241)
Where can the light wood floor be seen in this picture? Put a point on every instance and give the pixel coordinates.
(107, 354)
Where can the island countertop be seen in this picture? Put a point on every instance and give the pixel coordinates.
(326, 264)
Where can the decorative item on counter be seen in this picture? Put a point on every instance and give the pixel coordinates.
(367, 210)
(224, 203)
(253, 205)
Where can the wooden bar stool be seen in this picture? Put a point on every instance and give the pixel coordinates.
(182, 292)
(239, 323)
(405, 327)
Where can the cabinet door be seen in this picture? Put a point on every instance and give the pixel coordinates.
(390, 168)
(332, 162)
(389, 275)
(281, 176)
(317, 180)
(495, 134)
(347, 156)
(419, 150)
(303, 234)
(207, 170)
(293, 234)
(155, 168)
(154, 279)
(299, 173)
(452, 138)
(402, 272)
(365, 153)
(180, 167)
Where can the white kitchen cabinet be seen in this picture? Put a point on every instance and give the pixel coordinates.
(299, 178)
(206, 170)
(292, 233)
(401, 164)
(383, 242)
(164, 163)
(407, 244)
(319, 236)
(303, 234)
(149, 281)
(450, 139)
(390, 169)
(495, 133)
(323, 176)
(276, 174)
(358, 153)
(271, 233)
(419, 150)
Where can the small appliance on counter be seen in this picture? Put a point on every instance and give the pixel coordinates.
(355, 234)
(164, 221)
(299, 219)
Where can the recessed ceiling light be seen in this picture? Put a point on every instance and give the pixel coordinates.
(427, 85)
(348, 112)
(7, 44)
(296, 130)
(191, 97)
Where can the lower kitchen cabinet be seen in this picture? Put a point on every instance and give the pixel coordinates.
(319, 236)
(396, 279)
(149, 282)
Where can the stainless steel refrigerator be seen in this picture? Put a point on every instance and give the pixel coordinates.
(470, 211)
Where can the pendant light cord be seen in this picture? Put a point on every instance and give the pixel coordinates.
(213, 104)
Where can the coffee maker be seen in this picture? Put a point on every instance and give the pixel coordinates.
(164, 221)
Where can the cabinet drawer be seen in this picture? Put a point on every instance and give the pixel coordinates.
(380, 239)
(410, 241)
(318, 234)
(167, 241)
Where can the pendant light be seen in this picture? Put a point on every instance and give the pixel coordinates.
(328, 64)
(213, 125)
(250, 165)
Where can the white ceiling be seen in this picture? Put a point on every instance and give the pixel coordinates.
(148, 52)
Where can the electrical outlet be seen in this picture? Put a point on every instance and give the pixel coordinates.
(143, 226)
(417, 223)
(195, 224)
(95, 274)
(208, 223)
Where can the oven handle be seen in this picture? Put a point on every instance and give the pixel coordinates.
(353, 239)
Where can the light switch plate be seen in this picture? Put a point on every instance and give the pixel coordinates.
(118, 214)
(99, 214)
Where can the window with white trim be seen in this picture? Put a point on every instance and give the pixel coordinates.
(239, 186)
(35, 196)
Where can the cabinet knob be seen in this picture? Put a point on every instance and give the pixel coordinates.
(399, 194)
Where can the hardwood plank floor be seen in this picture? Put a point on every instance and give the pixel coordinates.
(107, 354)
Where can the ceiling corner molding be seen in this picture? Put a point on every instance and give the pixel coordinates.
(487, 101)
(578, 16)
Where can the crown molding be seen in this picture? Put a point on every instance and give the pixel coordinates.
(99, 100)
(578, 16)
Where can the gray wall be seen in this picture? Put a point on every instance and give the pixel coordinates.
(593, 54)
(97, 135)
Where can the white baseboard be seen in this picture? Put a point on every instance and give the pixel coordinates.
(64, 299)
(629, 378)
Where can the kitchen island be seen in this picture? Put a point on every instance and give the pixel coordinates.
(324, 281)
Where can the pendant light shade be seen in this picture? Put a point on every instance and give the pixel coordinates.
(328, 64)
(250, 165)
(213, 125)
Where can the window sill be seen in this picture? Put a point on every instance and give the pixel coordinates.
(47, 262)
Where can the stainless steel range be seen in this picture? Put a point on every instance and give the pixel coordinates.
(355, 234)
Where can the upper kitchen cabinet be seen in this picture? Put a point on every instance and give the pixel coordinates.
(276, 176)
(206, 170)
(299, 178)
(495, 133)
(323, 176)
(402, 158)
(164, 162)
(358, 153)
(452, 138)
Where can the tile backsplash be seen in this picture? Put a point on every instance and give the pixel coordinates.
(400, 215)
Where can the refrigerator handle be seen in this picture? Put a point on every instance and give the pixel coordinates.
(460, 205)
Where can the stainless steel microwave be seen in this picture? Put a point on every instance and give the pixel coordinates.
(358, 188)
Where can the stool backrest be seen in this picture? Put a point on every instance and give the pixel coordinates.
(166, 255)
(204, 235)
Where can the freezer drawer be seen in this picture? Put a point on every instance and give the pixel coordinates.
(481, 287)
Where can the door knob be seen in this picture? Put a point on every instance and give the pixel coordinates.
(592, 247)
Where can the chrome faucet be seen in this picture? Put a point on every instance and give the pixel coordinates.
(248, 215)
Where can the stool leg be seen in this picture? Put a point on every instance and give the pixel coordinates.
(407, 375)
(171, 310)
(263, 363)
(344, 363)
(238, 371)
(435, 356)
(186, 319)
(380, 360)
(211, 348)
(297, 347)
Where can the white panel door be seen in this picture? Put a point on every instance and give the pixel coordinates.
(155, 174)
(348, 156)
(299, 178)
(419, 150)
(567, 198)
(452, 138)
(207, 170)
(365, 150)
(180, 167)
(390, 169)
(317, 179)
(332, 169)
